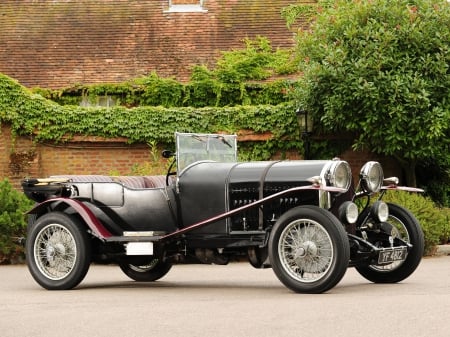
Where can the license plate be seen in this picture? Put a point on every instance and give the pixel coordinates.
(139, 248)
(389, 255)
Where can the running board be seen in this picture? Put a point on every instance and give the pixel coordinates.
(138, 236)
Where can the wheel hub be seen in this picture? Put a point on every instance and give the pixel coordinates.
(50, 252)
(307, 249)
(53, 250)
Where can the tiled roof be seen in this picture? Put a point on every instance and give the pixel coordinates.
(56, 44)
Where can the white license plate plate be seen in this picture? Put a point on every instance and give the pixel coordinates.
(139, 248)
(392, 254)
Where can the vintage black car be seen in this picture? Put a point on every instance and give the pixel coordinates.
(304, 219)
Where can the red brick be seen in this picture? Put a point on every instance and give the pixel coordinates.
(56, 44)
(97, 158)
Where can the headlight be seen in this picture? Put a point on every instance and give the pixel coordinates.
(380, 210)
(348, 212)
(340, 174)
(372, 176)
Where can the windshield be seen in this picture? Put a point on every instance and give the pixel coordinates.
(193, 147)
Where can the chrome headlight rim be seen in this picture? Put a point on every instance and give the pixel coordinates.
(380, 211)
(372, 176)
(348, 212)
(339, 174)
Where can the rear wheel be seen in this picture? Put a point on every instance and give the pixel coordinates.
(406, 227)
(154, 270)
(309, 249)
(58, 251)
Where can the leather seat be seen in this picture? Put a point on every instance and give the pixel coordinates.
(131, 181)
(155, 181)
(85, 178)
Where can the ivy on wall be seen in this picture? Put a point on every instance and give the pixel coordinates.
(245, 76)
(31, 114)
(240, 94)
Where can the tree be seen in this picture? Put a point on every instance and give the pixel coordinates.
(379, 70)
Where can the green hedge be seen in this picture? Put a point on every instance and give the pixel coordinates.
(434, 221)
(13, 205)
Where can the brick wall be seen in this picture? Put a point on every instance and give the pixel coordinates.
(91, 158)
(56, 44)
(107, 157)
(87, 157)
(357, 159)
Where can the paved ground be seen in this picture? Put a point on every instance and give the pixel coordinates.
(233, 301)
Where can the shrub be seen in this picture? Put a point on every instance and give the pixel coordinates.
(156, 165)
(369, 63)
(13, 206)
(433, 220)
(445, 237)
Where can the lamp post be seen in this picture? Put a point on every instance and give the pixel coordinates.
(305, 125)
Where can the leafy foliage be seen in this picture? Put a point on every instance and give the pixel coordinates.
(151, 108)
(156, 165)
(159, 91)
(31, 114)
(434, 177)
(13, 206)
(258, 61)
(380, 69)
(433, 220)
(238, 79)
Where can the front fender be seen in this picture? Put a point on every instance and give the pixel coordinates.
(86, 214)
(402, 188)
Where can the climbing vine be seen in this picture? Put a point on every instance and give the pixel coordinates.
(242, 94)
(31, 114)
(245, 76)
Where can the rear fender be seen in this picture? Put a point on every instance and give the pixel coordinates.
(85, 213)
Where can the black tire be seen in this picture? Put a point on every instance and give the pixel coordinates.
(309, 250)
(410, 231)
(58, 251)
(154, 270)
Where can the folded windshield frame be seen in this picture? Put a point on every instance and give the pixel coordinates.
(194, 147)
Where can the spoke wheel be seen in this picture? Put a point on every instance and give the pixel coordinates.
(305, 250)
(309, 250)
(407, 228)
(58, 253)
(150, 272)
(55, 251)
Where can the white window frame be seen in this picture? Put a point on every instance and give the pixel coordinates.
(187, 8)
(103, 101)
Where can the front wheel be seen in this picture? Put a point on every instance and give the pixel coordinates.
(58, 251)
(152, 271)
(408, 229)
(309, 249)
